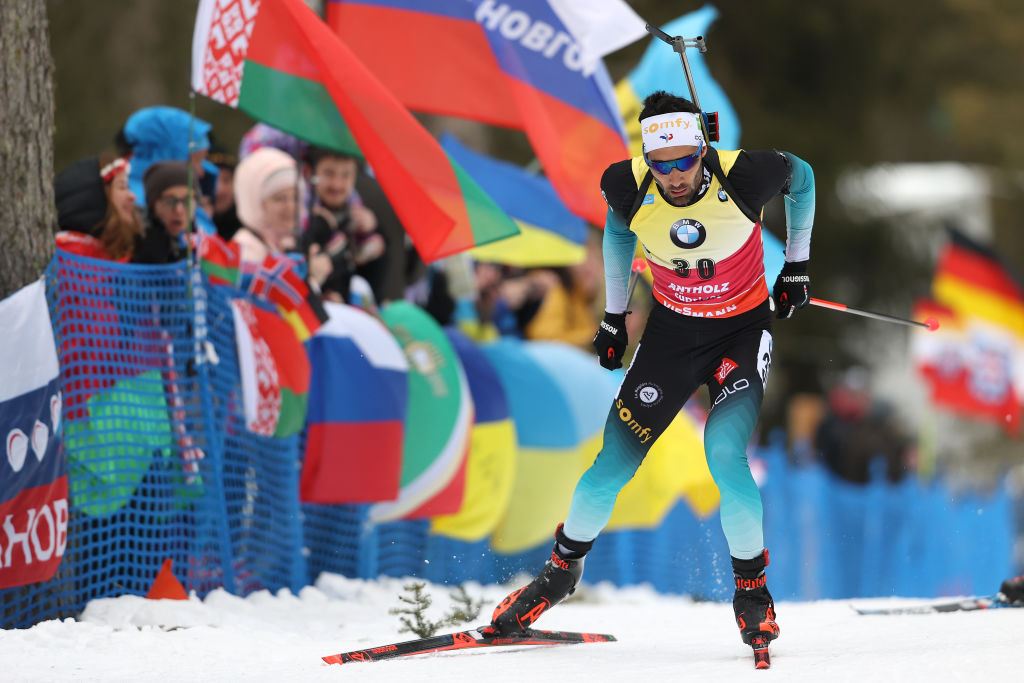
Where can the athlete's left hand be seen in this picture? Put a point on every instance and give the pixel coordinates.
(792, 290)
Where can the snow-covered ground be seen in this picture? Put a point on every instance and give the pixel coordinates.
(660, 638)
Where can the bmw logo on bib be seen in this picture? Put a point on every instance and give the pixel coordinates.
(687, 233)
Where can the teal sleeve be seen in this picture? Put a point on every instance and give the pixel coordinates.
(619, 246)
(799, 210)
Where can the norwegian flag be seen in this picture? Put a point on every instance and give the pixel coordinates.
(277, 281)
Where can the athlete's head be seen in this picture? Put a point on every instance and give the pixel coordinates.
(674, 144)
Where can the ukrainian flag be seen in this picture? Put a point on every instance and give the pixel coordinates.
(550, 235)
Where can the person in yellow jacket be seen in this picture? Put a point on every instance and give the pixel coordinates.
(696, 211)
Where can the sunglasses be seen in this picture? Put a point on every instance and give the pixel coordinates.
(682, 163)
(172, 203)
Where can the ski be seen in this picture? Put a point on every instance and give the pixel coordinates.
(762, 660)
(972, 604)
(462, 640)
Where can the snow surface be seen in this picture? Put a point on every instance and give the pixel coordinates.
(281, 637)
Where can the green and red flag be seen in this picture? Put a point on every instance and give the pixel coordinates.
(277, 61)
(274, 371)
(219, 260)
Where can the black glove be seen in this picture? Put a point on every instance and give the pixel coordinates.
(610, 340)
(792, 289)
(1013, 589)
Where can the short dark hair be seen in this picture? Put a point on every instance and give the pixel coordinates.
(314, 155)
(661, 102)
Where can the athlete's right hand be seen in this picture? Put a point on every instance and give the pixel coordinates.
(611, 339)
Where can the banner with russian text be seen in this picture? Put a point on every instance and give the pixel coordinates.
(33, 475)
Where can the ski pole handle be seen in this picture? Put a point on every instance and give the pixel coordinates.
(930, 324)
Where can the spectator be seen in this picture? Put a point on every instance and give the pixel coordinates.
(566, 310)
(96, 209)
(157, 134)
(168, 204)
(225, 217)
(265, 196)
(261, 135)
(340, 225)
(857, 430)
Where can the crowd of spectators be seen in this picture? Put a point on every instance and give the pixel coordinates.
(322, 208)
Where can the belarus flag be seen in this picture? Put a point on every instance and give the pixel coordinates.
(274, 371)
(277, 61)
(33, 475)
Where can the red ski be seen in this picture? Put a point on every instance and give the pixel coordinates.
(462, 640)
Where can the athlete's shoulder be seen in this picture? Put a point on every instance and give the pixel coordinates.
(766, 164)
(618, 185)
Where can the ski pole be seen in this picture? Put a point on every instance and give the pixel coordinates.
(639, 266)
(931, 324)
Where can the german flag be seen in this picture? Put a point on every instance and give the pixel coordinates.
(976, 282)
(974, 363)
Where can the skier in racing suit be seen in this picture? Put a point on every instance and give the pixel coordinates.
(699, 226)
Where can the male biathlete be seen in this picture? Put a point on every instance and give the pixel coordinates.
(699, 225)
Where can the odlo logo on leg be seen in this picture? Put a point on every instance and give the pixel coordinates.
(626, 415)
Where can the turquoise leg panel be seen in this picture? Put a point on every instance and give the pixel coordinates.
(594, 498)
(725, 442)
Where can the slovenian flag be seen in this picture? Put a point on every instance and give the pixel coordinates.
(277, 61)
(357, 411)
(510, 63)
(33, 475)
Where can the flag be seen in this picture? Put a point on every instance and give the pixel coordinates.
(274, 371)
(549, 234)
(33, 475)
(600, 27)
(491, 462)
(278, 62)
(438, 421)
(974, 362)
(358, 404)
(277, 281)
(511, 64)
(976, 282)
(559, 399)
(660, 69)
(219, 260)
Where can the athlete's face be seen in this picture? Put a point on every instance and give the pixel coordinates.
(678, 186)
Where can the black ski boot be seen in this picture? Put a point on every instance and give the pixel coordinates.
(556, 580)
(752, 603)
(1013, 589)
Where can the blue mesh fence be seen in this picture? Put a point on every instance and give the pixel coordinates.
(159, 462)
(161, 465)
(260, 474)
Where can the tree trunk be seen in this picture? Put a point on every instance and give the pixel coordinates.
(27, 214)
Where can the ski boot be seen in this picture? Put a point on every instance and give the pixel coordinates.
(1013, 589)
(556, 580)
(754, 607)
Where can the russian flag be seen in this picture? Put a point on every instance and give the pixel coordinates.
(358, 397)
(33, 476)
(511, 64)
